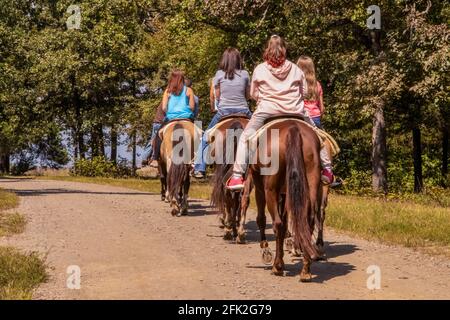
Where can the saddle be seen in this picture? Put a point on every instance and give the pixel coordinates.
(171, 123)
(321, 134)
(211, 132)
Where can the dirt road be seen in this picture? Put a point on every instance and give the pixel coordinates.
(128, 246)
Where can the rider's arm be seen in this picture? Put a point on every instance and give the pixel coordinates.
(321, 106)
(212, 97)
(190, 94)
(165, 101)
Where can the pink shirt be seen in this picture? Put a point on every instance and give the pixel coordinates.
(313, 106)
(278, 90)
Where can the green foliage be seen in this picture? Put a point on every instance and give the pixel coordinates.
(99, 167)
(84, 80)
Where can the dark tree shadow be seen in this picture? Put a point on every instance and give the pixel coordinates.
(40, 192)
(196, 209)
(322, 271)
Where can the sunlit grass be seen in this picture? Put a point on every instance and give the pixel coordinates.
(20, 272)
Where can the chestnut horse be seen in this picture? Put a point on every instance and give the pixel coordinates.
(293, 193)
(226, 136)
(174, 165)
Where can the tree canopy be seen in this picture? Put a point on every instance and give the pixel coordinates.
(386, 91)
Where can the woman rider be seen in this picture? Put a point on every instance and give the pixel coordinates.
(277, 86)
(231, 87)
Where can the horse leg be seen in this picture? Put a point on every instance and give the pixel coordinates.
(279, 228)
(260, 198)
(185, 201)
(244, 202)
(321, 221)
(228, 221)
(163, 180)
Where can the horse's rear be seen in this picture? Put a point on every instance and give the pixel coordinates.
(224, 148)
(177, 152)
(292, 192)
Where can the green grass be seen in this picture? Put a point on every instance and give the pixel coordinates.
(20, 272)
(407, 223)
(418, 221)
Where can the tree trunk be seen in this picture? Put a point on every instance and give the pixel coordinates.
(133, 145)
(445, 139)
(417, 156)
(379, 151)
(4, 161)
(97, 141)
(75, 144)
(114, 142)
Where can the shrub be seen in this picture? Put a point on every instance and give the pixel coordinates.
(100, 167)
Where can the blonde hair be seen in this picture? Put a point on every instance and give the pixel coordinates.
(275, 49)
(307, 65)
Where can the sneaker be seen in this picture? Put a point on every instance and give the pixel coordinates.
(327, 176)
(198, 174)
(336, 183)
(235, 183)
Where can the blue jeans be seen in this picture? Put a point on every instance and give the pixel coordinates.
(200, 163)
(148, 150)
(317, 122)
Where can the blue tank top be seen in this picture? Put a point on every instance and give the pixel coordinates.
(178, 106)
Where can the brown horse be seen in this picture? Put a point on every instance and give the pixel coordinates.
(176, 155)
(226, 136)
(292, 194)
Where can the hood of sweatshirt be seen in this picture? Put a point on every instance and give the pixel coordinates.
(282, 71)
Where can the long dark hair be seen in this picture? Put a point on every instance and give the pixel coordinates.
(231, 61)
(176, 82)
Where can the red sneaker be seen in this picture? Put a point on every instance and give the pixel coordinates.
(235, 183)
(327, 176)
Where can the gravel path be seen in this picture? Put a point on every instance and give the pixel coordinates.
(128, 246)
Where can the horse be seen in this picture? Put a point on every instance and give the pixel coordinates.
(226, 136)
(177, 152)
(293, 194)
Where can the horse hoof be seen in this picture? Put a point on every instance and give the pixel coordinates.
(163, 198)
(277, 272)
(267, 256)
(175, 212)
(305, 277)
(264, 244)
(240, 238)
(228, 236)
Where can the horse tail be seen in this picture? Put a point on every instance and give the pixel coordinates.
(223, 170)
(178, 172)
(297, 194)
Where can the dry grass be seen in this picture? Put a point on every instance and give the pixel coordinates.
(20, 272)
